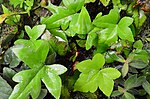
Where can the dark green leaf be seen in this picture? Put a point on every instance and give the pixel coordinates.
(11, 59)
(139, 64)
(43, 93)
(130, 82)
(128, 96)
(5, 89)
(146, 86)
(116, 93)
(8, 72)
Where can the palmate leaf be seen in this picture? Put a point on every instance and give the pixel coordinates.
(33, 53)
(112, 29)
(30, 82)
(62, 14)
(93, 78)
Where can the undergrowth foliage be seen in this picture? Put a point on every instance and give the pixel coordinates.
(120, 62)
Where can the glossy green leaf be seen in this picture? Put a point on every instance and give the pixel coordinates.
(138, 59)
(73, 4)
(105, 84)
(52, 82)
(108, 35)
(87, 82)
(116, 93)
(112, 56)
(35, 32)
(31, 84)
(5, 89)
(62, 14)
(92, 77)
(27, 82)
(87, 65)
(91, 38)
(146, 86)
(59, 69)
(139, 64)
(32, 55)
(125, 69)
(98, 60)
(82, 25)
(111, 73)
(107, 20)
(124, 32)
(112, 28)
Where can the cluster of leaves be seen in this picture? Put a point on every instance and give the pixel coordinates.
(117, 52)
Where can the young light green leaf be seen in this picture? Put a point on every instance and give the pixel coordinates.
(105, 84)
(88, 1)
(124, 32)
(111, 73)
(35, 32)
(87, 82)
(138, 44)
(5, 89)
(107, 20)
(16, 2)
(98, 60)
(85, 66)
(105, 2)
(92, 77)
(59, 69)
